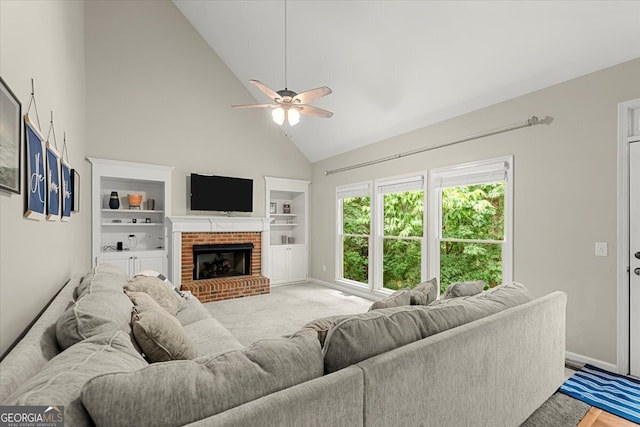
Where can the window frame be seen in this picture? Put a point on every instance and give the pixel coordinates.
(406, 182)
(479, 172)
(361, 189)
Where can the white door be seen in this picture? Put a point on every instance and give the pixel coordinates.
(634, 247)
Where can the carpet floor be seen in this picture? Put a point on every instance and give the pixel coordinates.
(289, 307)
(283, 311)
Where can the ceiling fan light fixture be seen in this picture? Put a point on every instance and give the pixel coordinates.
(278, 115)
(293, 116)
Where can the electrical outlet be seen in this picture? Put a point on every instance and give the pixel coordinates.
(601, 249)
(324, 267)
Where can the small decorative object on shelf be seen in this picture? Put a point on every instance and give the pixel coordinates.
(273, 207)
(114, 201)
(286, 208)
(135, 201)
(151, 204)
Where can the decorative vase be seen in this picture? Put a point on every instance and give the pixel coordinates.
(135, 201)
(114, 201)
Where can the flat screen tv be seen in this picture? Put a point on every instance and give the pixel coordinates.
(221, 193)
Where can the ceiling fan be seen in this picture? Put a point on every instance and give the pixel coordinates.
(288, 105)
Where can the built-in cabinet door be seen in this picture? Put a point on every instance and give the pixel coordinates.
(297, 264)
(279, 261)
(123, 262)
(155, 263)
(132, 263)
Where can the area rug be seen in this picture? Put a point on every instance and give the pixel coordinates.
(559, 410)
(610, 392)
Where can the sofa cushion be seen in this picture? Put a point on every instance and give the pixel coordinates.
(160, 335)
(361, 336)
(396, 299)
(425, 293)
(208, 336)
(463, 289)
(103, 277)
(163, 294)
(93, 314)
(323, 325)
(61, 380)
(194, 312)
(364, 335)
(180, 392)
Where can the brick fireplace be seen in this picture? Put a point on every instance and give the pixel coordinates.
(199, 231)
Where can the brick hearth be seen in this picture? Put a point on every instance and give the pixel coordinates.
(224, 287)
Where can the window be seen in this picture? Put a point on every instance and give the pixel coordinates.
(400, 232)
(354, 231)
(385, 243)
(471, 237)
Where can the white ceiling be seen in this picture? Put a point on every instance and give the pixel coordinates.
(395, 66)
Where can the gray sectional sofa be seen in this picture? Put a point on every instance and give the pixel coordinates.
(489, 359)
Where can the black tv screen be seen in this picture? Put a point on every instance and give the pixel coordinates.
(221, 193)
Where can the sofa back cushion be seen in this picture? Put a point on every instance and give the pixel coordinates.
(180, 392)
(364, 335)
(355, 338)
(93, 314)
(61, 380)
(103, 277)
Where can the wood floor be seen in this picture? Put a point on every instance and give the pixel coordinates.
(599, 418)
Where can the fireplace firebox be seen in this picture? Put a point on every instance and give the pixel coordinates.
(221, 260)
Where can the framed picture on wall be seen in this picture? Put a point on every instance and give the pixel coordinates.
(53, 183)
(75, 191)
(10, 141)
(35, 194)
(66, 191)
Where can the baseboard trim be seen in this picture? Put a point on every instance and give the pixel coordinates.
(591, 361)
(349, 289)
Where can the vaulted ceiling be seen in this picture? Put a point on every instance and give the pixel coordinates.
(395, 66)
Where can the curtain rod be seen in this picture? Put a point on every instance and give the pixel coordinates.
(529, 122)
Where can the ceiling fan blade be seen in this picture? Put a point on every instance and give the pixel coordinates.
(309, 95)
(266, 90)
(314, 111)
(254, 106)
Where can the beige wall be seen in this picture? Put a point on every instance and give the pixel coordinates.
(42, 40)
(565, 192)
(162, 96)
(154, 93)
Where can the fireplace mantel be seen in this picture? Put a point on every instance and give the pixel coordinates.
(211, 224)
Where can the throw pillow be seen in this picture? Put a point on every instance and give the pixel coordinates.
(164, 295)
(396, 299)
(161, 336)
(143, 301)
(464, 289)
(425, 293)
(203, 387)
